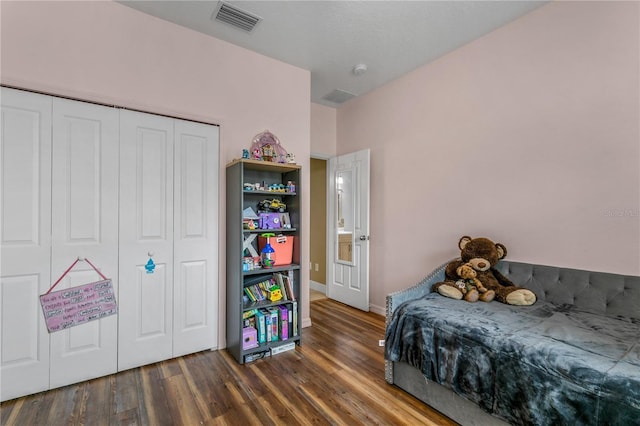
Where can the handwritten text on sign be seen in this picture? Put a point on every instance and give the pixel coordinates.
(77, 305)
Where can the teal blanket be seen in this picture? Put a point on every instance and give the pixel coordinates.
(544, 364)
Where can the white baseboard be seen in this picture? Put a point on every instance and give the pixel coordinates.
(322, 288)
(380, 310)
(313, 285)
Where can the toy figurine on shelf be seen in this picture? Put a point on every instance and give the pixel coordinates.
(266, 146)
(276, 187)
(274, 205)
(249, 224)
(275, 293)
(268, 254)
(268, 153)
(245, 153)
(291, 158)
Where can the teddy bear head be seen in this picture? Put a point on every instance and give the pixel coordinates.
(466, 271)
(481, 253)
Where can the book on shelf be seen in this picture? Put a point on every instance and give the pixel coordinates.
(285, 282)
(261, 326)
(290, 319)
(279, 279)
(288, 282)
(283, 322)
(249, 313)
(249, 294)
(294, 320)
(267, 325)
(249, 319)
(273, 312)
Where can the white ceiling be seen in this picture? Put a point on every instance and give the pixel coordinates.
(329, 38)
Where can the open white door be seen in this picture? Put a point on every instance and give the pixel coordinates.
(348, 229)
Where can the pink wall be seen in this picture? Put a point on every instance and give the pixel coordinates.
(105, 52)
(323, 131)
(529, 136)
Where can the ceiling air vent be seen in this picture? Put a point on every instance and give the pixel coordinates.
(338, 96)
(237, 17)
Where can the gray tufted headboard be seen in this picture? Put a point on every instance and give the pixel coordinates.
(608, 293)
(612, 294)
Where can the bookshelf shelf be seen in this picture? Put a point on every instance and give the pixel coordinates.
(276, 231)
(258, 305)
(246, 310)
(268, 193)
(271, 270)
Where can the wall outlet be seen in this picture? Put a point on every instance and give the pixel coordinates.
(380, 342)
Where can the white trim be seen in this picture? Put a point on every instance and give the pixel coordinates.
(380, 310)
(319, 156)
(322, 288)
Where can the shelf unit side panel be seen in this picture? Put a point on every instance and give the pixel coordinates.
(234, 260)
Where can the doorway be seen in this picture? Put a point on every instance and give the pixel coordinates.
(318, 234)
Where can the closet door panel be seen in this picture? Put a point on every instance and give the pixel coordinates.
(25, 241)
(85, 218)
(195, 237)
(146, 232)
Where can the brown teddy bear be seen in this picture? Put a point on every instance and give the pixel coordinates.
(470, 286)
(481, 255)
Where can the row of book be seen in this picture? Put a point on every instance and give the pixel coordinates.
(259, 291)
(285, 282)
(277, 323)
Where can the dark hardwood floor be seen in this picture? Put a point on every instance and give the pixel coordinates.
(336, 378)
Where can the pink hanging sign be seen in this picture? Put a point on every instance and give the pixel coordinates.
(78, 305)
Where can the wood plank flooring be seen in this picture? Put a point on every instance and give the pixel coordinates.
(335, 378)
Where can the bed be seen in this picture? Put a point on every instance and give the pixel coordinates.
(571, 358)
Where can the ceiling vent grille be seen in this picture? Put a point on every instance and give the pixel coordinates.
(237, 17)
(338, 96)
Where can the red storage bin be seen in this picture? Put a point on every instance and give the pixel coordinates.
(283, 246)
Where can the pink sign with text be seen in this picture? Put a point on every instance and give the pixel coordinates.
(78, 305)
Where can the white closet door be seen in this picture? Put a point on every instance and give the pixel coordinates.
(25, 235)
(146, 228)
(195, 238)
(85, 218)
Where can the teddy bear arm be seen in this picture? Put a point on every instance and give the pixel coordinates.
(450, 271)
(479, 285)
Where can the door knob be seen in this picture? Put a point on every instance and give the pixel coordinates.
(363, 238)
